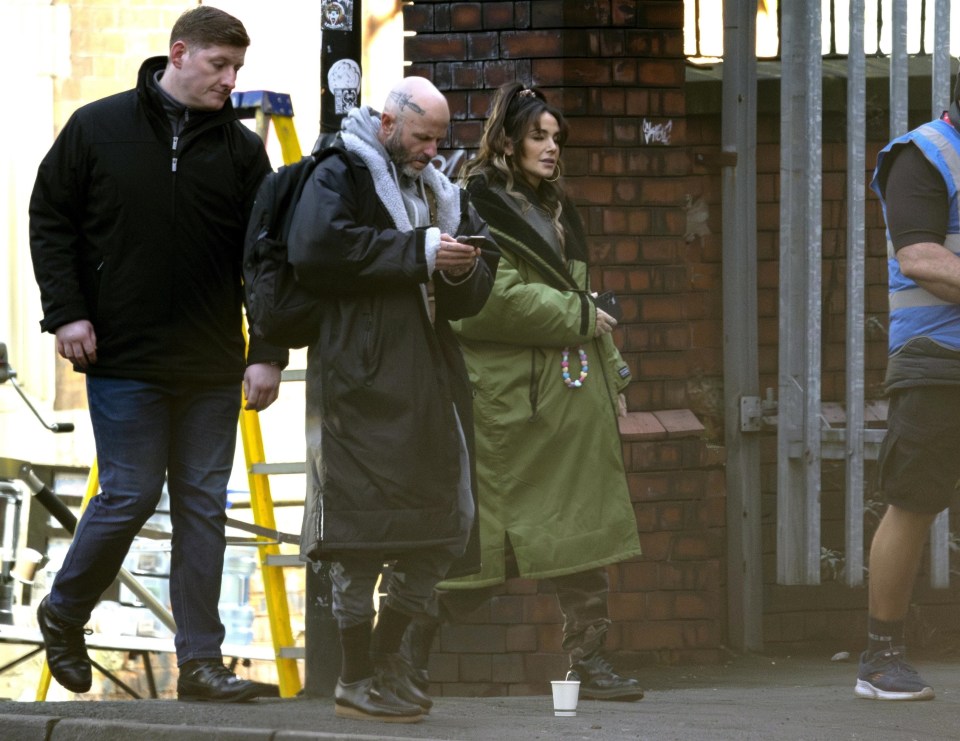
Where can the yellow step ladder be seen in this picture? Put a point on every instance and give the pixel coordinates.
(272, 562)
(266, 107)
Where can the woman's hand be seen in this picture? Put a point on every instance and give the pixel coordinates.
(605, 323)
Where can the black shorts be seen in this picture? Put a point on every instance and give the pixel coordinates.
(918, 466)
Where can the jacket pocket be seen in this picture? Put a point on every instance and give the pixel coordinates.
(541, 380)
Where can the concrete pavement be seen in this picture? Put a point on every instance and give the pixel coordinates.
(750, 697)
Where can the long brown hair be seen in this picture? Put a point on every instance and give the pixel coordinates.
(515, 110)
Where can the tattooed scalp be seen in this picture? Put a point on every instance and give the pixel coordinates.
(404, 101)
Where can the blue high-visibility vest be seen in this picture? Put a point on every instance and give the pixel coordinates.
(914, 312)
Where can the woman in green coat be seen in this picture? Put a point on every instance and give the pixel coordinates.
(547, 382)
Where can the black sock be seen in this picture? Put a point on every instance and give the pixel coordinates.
(883, 635)
(355, 648)
(389, 632)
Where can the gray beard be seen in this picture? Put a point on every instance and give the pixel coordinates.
(399, 159)
(411, 173)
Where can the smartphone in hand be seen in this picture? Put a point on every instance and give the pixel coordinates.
(608, 302)
(478, 240)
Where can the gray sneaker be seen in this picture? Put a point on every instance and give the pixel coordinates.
(888, 676)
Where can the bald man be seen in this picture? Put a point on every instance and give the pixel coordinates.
(388, 244)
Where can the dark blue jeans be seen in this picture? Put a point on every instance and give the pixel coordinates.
(146, 432)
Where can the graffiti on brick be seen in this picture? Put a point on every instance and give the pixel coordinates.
(450, 165)
(657, 133)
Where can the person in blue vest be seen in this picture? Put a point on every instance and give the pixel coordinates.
(917, 177)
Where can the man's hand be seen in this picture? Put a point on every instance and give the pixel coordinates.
(261, 386)
(455, 258)
(77, 342)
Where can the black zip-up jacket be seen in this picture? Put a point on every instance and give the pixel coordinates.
(142, 233)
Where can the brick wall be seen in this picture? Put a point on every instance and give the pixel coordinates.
(616, 69)
(109, 39)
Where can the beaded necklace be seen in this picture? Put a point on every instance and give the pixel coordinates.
(565, 368)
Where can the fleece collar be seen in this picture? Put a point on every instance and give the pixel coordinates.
(358, 136)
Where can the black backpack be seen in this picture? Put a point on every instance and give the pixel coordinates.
(279, 310)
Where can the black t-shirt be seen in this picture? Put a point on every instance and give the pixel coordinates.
(917, 211)
(916, 198)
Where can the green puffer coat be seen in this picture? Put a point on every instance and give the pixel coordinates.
(549, 458)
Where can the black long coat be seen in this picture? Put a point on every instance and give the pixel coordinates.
(383, 446)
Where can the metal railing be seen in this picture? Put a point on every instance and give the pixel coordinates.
(878, 19)
(803, 438)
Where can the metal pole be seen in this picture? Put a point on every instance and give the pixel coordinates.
(940, 101)
(798, 426)
(744, 564)
(856, 258)
(813, 165)
(899, 74)
(790, 522)
(340, 71)
(940, 84)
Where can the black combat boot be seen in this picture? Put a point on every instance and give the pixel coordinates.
(599, 681)
(417, 642)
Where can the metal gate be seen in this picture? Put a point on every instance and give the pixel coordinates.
(804, 439)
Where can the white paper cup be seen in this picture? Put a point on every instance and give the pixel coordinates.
(565, 696)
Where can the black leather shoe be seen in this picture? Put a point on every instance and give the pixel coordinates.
(396, 673)
(598, 680)
(66, 650)
(211, 681)
(368, 699)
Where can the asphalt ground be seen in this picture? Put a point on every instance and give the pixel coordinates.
(749, 697)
